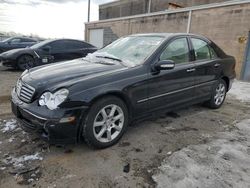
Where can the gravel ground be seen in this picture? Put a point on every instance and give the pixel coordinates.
(172, 150)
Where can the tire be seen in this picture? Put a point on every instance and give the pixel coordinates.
(25, 62)
(218, 95)
(100, 131)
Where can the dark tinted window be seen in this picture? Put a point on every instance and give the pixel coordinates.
(201, 49)
(87, 45)
(177, 51)
(27, 40)
(15, 40)
(76, 44)
(57, 45)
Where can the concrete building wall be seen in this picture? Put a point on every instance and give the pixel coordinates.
(122, 8)
(159, 5)
(227, 26)
(133, 7)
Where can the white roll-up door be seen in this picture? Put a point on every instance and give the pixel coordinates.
(96, 37)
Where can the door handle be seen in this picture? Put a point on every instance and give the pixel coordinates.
(191, 70)
(216, 65)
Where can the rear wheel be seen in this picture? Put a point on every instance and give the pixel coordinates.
(218, 95)
(25, 62)
(106, 122)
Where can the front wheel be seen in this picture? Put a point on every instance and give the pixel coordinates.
(25, 62)
(106, 122)
(218, 95)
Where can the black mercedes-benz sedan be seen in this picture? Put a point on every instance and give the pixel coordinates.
(45, 52)
(97, 97)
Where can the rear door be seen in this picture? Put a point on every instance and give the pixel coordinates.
(207, 66)
(170, 88)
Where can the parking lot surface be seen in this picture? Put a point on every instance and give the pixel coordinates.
(191, 147)
(8, 78)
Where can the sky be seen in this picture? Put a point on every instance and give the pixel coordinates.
(47, 18)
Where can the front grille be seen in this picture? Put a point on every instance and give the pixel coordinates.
(24, 91)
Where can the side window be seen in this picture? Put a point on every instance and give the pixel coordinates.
(27, 40)
(16, 40)
(57, 45)
(79, 45)
(177, 51)
(86, 45)
(74, 45)
(213, 53)
(201, 49)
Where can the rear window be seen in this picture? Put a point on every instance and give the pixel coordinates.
(27, 40)
(201, 49)
(213, 53)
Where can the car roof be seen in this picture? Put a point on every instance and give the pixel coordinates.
(66, 39)
(21, 37)
(167, 35)
(63, 39)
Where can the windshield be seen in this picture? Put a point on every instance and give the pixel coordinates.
(131, 50)
(8, 39)
(40, 44)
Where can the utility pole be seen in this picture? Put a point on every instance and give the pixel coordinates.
(88, 9)
(149, 6)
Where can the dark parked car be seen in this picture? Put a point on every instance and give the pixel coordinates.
(16, 42)
(46, 52)
(96, 97)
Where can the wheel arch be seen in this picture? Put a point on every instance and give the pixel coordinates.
(117, 94)
(226, 79)
(20, 55)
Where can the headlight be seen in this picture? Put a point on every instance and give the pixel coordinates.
(53, 100)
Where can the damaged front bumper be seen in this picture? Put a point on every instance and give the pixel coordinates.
(59, 126)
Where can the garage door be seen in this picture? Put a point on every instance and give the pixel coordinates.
(96, 37)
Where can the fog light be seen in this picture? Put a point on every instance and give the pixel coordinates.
(67, 119)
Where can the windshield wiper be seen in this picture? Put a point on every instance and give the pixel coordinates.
(108, 57)
(100, 62)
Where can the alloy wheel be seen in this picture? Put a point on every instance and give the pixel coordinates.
(108, 123)
(219, 94)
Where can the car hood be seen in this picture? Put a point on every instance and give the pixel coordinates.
(67, 73)
(15, 51)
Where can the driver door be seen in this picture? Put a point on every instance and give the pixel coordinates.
(169, 88)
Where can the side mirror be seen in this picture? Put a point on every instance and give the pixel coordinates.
(164, 65)
(46, 48)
